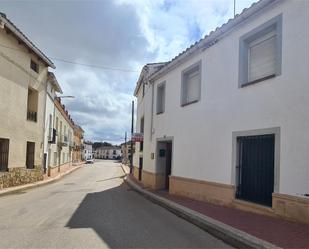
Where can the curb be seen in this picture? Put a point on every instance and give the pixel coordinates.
(230, 235)
(123, 169)
(37, 184)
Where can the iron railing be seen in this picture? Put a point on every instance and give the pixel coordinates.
(32, 116)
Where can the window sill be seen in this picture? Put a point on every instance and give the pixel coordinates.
(257, 81)
(189, 103)
(32, 121)
(158, 113)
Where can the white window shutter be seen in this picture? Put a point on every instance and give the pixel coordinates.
(262, 57)
(193, 86)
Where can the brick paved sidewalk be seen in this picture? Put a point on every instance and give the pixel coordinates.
(285, 234)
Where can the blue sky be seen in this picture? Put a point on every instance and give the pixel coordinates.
(114, 33)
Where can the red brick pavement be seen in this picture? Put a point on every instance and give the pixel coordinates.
(277, 231)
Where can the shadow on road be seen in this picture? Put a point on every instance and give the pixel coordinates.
(124, 219)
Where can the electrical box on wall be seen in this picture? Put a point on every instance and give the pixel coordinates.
(152, 155)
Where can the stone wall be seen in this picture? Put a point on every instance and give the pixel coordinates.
(20, 176)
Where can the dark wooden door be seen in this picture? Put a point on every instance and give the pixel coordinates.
(4, 154)
(168, 163)
(30, 155)
(140, 169)
(256, 169)
(45, 162)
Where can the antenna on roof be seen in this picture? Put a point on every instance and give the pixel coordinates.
(234, 8)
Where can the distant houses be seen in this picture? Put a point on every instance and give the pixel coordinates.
(108, 152)
(87, 150)
(36, 131)
(127, 152)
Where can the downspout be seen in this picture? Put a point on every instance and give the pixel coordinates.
(44, 124)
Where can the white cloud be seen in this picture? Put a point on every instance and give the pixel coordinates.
(114, 33)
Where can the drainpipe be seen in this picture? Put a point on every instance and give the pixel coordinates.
(44, 124)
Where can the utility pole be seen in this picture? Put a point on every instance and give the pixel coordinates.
(234, 8)
(132, 130)
(125, 148)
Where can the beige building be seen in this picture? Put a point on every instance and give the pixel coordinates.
(78, 144)
(23, 76)
(127, 152)
(62, 150)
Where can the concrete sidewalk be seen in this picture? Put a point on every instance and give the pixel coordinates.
(46, 180)
(237, 227)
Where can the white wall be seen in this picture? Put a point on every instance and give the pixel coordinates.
(87, 152)
(202, 131)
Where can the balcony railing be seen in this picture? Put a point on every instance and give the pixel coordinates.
(32, 116)
(52, 135)
(62, 140)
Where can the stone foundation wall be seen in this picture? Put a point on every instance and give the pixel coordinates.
(20, 176)
(216, 193)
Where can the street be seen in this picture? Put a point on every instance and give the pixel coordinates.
(93, 208)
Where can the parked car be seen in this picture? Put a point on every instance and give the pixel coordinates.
(90, 160)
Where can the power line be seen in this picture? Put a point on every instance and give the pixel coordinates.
(80, 64)
(96, 66)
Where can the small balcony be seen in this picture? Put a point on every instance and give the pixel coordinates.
(62, 140)
(32, 116)
(52, 135)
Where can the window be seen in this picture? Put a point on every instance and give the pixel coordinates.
(143, 89)
(191, 84)
(57, 123)
(32, 105)
(30, 155)
(260, 53)
(141, 146)
(142, 125)
(4, 154)
(161, 98)
(34, 66)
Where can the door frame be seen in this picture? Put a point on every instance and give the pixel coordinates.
(165, 139)
(235, 159)
(140, 168)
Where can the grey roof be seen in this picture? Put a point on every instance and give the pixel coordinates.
(213, 37)
(22, 37)
(148, 69)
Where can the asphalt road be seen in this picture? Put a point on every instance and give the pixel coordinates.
(93, 208)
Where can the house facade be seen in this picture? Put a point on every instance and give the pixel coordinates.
(78, 144)
(87, 151)
(62, 149)
(226, 120)
(49, 131)
(23, 82)
(127, 152)
(108, 152)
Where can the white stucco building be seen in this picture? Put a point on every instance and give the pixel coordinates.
(108, 152)
(87, 150)
(49, 129)
(226, 121)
